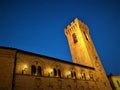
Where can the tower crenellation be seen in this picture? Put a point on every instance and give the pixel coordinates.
(70, 28)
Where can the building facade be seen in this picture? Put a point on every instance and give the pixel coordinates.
(21, 70)
(114, 81)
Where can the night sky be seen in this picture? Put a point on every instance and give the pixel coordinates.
(38, 26)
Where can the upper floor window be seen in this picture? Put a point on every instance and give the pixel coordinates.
(82, 76)
(39, 71)
(73, 74)
(59, 73)
(74, 38)
(91, 76)
(85, 36)
(33, 70)
(55, 72)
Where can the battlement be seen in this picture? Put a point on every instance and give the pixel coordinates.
(75, 25)
(70, 28)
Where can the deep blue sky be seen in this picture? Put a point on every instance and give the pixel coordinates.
(38, 26)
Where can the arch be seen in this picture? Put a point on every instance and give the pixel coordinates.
(40, 66)
(39, 62)
(82, 76)
(57, 69)
(59, 73)
(55, 72)
(74, 38)
(91, 76)
(39, 71)
(33, 69)
(74, 74)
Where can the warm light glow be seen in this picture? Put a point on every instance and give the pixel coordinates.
(68, 74)
(49, 71)
(25, 67)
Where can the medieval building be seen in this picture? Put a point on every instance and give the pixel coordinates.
(21, 70)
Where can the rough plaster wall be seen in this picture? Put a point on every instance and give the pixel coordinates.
(6, 68)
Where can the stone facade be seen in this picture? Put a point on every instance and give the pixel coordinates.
(114, 81)
(20, 70)
(7, 58)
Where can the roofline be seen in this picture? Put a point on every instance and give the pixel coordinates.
(47, 57)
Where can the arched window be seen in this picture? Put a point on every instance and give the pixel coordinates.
(39, 71)
(55, 72)
(83, 76)
(33, 69)
(75, 74)
(74, 38)
(59, 73)
(72, 74)
(91, 76)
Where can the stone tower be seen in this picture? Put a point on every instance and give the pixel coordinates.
(83, 51)
(80, 43)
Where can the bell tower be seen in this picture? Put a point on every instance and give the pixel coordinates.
(80, 43)
(83, 51)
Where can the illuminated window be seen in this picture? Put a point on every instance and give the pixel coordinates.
(85, 36)
(33, 70)
(74, 38)
(39, 71)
